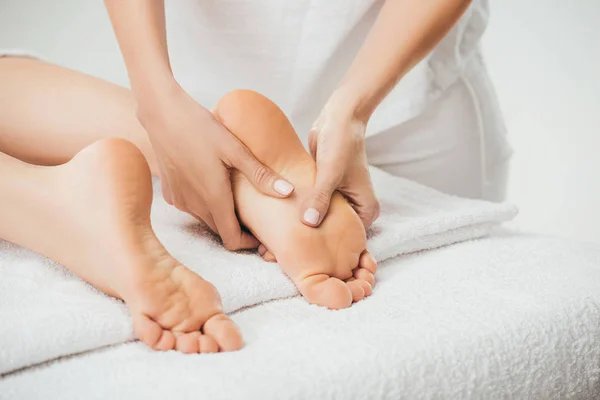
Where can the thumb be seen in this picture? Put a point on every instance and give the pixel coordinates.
(316, 205)
(262, 177)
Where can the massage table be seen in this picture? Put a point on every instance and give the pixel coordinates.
(509, 315)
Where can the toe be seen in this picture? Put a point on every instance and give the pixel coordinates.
(188, 342)
(207, 344)
(266, 254)
(166, 341)
(365, 275)
(262, 250)
(224, 331)
(358, 293)
(367, 262)
(366, 287)
(269, 257)
(146, 330)
(324, 290)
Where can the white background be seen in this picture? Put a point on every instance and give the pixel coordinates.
(543, 55)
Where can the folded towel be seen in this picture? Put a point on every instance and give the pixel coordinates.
(46, 312)
(512, 316)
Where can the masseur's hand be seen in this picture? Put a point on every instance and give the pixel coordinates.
(195, 155)
(337, 144)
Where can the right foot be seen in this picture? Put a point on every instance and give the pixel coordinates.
(329, 264)
(106, 191)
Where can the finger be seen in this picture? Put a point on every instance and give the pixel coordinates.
(313, 135)
(227, 224)
(316, 205)
(312, 142)
(362, 196)
(205, 218)
(172, 193)
(367, 207)
(208, 220)
(261, 176)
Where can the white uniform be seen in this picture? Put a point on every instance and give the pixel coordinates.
(440, 126)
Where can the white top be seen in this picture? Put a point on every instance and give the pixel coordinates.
(296, 52)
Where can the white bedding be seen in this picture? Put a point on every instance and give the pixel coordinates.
(512, 316)
(74, 317)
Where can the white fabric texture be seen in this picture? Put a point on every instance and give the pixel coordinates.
(512, 316)
(296, 53)
(455, 145)
(74, 317)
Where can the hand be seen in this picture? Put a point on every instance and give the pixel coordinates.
(195, 155)
(336, 142)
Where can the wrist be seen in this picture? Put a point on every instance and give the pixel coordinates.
(155, 97)
(351, 103)
(151, 85)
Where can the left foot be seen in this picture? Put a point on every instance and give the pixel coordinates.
(329, 264)
(101, 201)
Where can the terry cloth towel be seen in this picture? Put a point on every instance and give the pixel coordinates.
(47, 312)
(511, 316)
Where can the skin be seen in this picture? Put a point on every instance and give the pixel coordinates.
(329, 265)
(80, 170)
(108, 182)
(404, 32)
(100, 202)
(186, 138)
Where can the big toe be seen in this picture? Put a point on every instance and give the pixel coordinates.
(224, 332)
(326, 291)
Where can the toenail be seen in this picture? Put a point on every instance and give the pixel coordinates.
(311, 216)
(283, 187)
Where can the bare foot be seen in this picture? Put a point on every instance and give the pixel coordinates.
(330, 264)
(106, 193)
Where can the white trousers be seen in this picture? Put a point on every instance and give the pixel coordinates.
(457, 145)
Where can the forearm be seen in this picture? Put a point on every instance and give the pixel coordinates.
(403, 34)
(140, 29)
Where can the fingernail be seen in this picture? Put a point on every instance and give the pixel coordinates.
(283, 187)
(311, 216)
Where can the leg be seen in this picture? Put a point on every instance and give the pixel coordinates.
(98, 201)
(329, 265)
(49, 113)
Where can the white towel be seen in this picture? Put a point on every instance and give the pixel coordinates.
(506, 317)
(46, 312)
